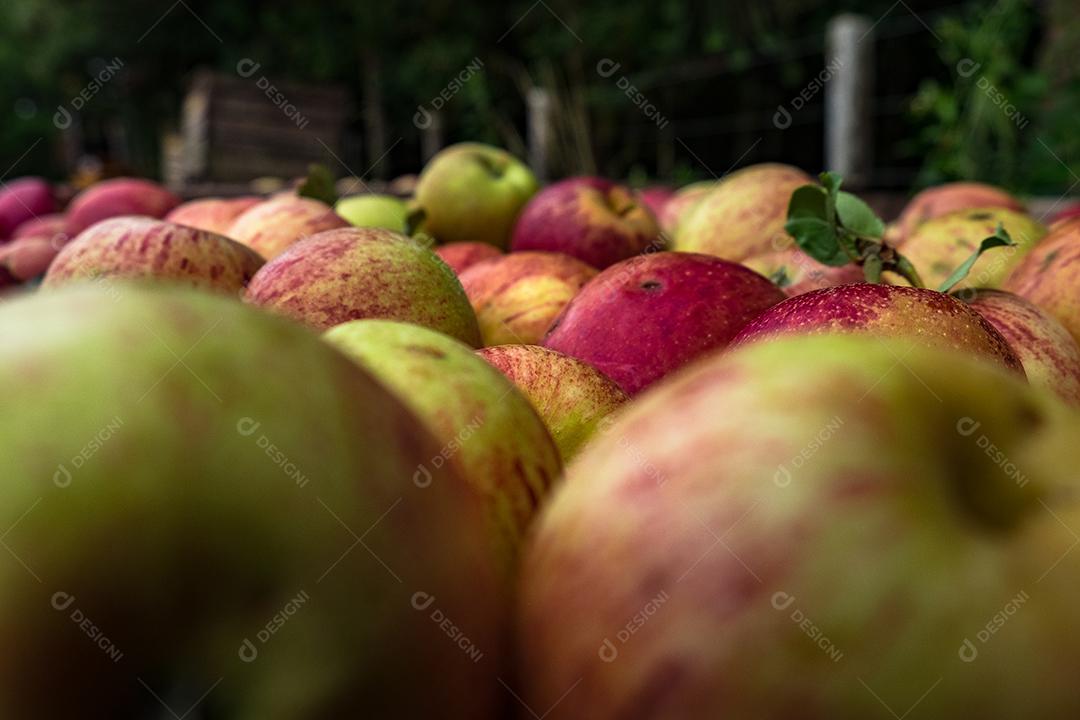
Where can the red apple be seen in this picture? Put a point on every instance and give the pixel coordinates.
(655, 197)
(951, 197)
(462, 255)
(595, 220)
(1049, 276)
(925, 317)
(213, 214)
(119, 196)
(22, 201)
(797, 273)
(271, 226)
(642, 318)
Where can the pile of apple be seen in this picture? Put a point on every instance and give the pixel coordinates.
(500, 451)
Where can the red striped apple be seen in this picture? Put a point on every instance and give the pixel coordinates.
(1050, 276)
(949, 198)
(213, 214)
(270, 227)
(462, 255)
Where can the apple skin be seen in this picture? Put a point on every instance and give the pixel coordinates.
(462, 255)
(382, 211)
(116, 197)
(572, 397)
(364, 273)
(685, 198)
(213, 214)
(249, 470)
(1067, 213)
(273, 225)
(655, 197)
(951, 197)
(471, 192)
(21, 201)
(592, 219)
(141, 248)
(516, 297)
(803, 273)
(647, 316)
(925, 317)
(743, 215)
(1050, 356)
(1049, 276)
(793, 528)
(33, 246)
(939, 246)
(487, 428)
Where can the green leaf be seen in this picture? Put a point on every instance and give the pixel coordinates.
(415, 220)
(831, 182)
(319, 185)
(817, 238)
(856, 216)
(807, 201)
(1000, 238)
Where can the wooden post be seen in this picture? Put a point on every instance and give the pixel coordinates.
(849, 59)
(431, 135)
(538, 101)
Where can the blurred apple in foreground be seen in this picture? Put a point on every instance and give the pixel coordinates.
(796, 273)
(1050, 276)
(592, 219)
(950, 198)
(517, 296)
(270, 227)
(21, 201)
(140, 248)
(647, 316)
(939, 246)
(471, 192)
(117, 197)
(198, 443)
(364, 273)
(572, 397)
(923, 317)
(381, 211)
(213, 214)
(743, 215)
(487, 428)
(1050, 356)
(679, 204)
(462, 255)
(802, 529)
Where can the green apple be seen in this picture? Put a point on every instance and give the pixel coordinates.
(471, 192)
(208, 512)
(381, 211)
(487, 428)
(571, 396)
(948, 198)
(826, 527)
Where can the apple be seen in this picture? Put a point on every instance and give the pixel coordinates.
(143, 248)
(743, 215)
(642, 318)
(21, 201)
(1050, 356)
(592, 219)
(268, 553)
(213, 214)
(49, 225)
(382, 211)
(273, 225)
(925, 317)
(517, 296)
(679, 204)
(487, 428)
(797, 273)
(654, 197)
(471, 192)
(802, 528)
(1065, 214)
(116, 197)
(358, 273)
(462, 255)
(572, 397)
(1049, 276)
(33, 246)
(951, 197)
(939, 246)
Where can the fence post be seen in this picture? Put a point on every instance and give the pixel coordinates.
(431, 136)
(538, 101)
(849, 59)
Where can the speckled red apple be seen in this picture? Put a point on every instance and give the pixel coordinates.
(924, 317)
(571, 396)
(655, 197)
(679, 204)
(271, 226)
(517, 296)
(140, 248)
(462, 255)
(647, 316)
(118, 197)
(595, 220)
(1049, 276)
(213, 214)
(33, 246)
(1050, 356)
(797, 273)
(951, 197)
(357, 273)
